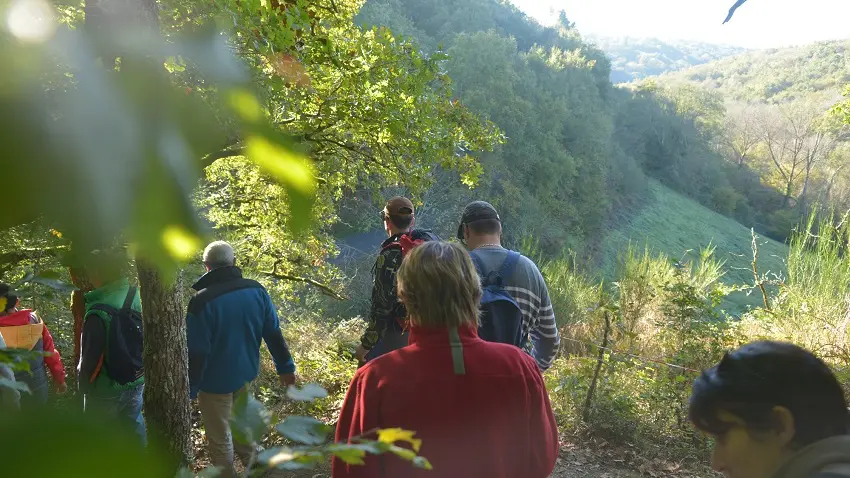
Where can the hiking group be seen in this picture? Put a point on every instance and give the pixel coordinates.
(456, 341)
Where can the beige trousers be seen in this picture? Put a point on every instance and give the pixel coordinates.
(215, 413)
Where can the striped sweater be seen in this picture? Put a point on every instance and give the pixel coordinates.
(529, 290)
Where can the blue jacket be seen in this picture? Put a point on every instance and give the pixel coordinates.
(226, 320)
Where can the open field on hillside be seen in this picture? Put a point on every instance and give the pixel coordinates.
(672, 224)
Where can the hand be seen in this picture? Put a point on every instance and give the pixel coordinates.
(62, 387)
(287, 379)
(360, 353)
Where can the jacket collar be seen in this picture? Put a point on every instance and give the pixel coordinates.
(21, 317)
(817, 456)
(113, 288)
(392, 239)
(429, 336)
(453, 337)
(215, 276)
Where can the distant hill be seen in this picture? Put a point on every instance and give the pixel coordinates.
(774, 75)
(637, 58)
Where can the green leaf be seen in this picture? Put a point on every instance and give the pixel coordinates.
(54, 284)
(274, 457)
(350, 454)
(422, 462)
(310, 392)
(306, 430)
(210, 472)
(14, 384)
(250, 419)
(279, 157)
(403, 453)
(184, 473)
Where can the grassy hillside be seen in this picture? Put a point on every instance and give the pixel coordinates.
(636, 58)
(774, 75)
(671, 224)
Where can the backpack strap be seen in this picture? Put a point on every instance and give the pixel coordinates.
(508, 266)
(128, 301)
(496, 277)
(479, 266)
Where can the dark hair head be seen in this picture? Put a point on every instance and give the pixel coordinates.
(753, 380)
(485, 226)
(401, 222)
(10, 295)
(481, 217)
(400, 212)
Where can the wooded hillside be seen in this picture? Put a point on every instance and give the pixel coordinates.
(775, 75)
(637, 58)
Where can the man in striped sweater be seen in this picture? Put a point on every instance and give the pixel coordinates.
(481, 231)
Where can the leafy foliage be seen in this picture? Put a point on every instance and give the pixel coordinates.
(774, 75)
(159, 134)
(311, 437)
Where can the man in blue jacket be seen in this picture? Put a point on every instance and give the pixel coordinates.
(226, 321)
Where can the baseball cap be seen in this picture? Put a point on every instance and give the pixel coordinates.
(399, 206)
(477, 211)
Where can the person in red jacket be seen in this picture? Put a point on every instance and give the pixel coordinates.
(22, 329)
(480, 408)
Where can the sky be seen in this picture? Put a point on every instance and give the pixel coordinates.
(756, 24)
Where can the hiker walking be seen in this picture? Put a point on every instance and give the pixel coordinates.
(227, 320)
(23, 329)
(481, 409)
(515, 305)
(385, 330)
(774, 410)
(110, 372)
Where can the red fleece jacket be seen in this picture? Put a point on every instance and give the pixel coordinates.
(492, 421)
(52, 362)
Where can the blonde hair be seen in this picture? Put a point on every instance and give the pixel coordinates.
(439, 286)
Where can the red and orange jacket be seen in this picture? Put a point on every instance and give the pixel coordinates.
(17, 329)
(481, 409)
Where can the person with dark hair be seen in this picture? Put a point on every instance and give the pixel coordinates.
(526, 311)
(23, 329)
(104, 351)
(385, 330)
(480, 408)
(774, 410)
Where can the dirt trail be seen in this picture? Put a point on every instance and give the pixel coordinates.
(573, 462)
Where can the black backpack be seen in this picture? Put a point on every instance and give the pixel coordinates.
(405, 243)
(123, 354)
(501, 316)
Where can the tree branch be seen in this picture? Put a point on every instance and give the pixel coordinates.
(224, 153)
(324, 288)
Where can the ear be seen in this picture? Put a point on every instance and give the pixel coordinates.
(786, 428)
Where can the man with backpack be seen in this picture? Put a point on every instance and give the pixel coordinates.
(515, 304)
(386, 328)
(227, 320)
(111, 375)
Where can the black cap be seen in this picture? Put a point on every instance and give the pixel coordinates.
(477, 211)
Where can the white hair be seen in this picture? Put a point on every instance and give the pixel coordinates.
(219, 254)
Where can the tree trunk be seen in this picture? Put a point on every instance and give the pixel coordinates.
(166, 361)
(166, 401)
(78, 306)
